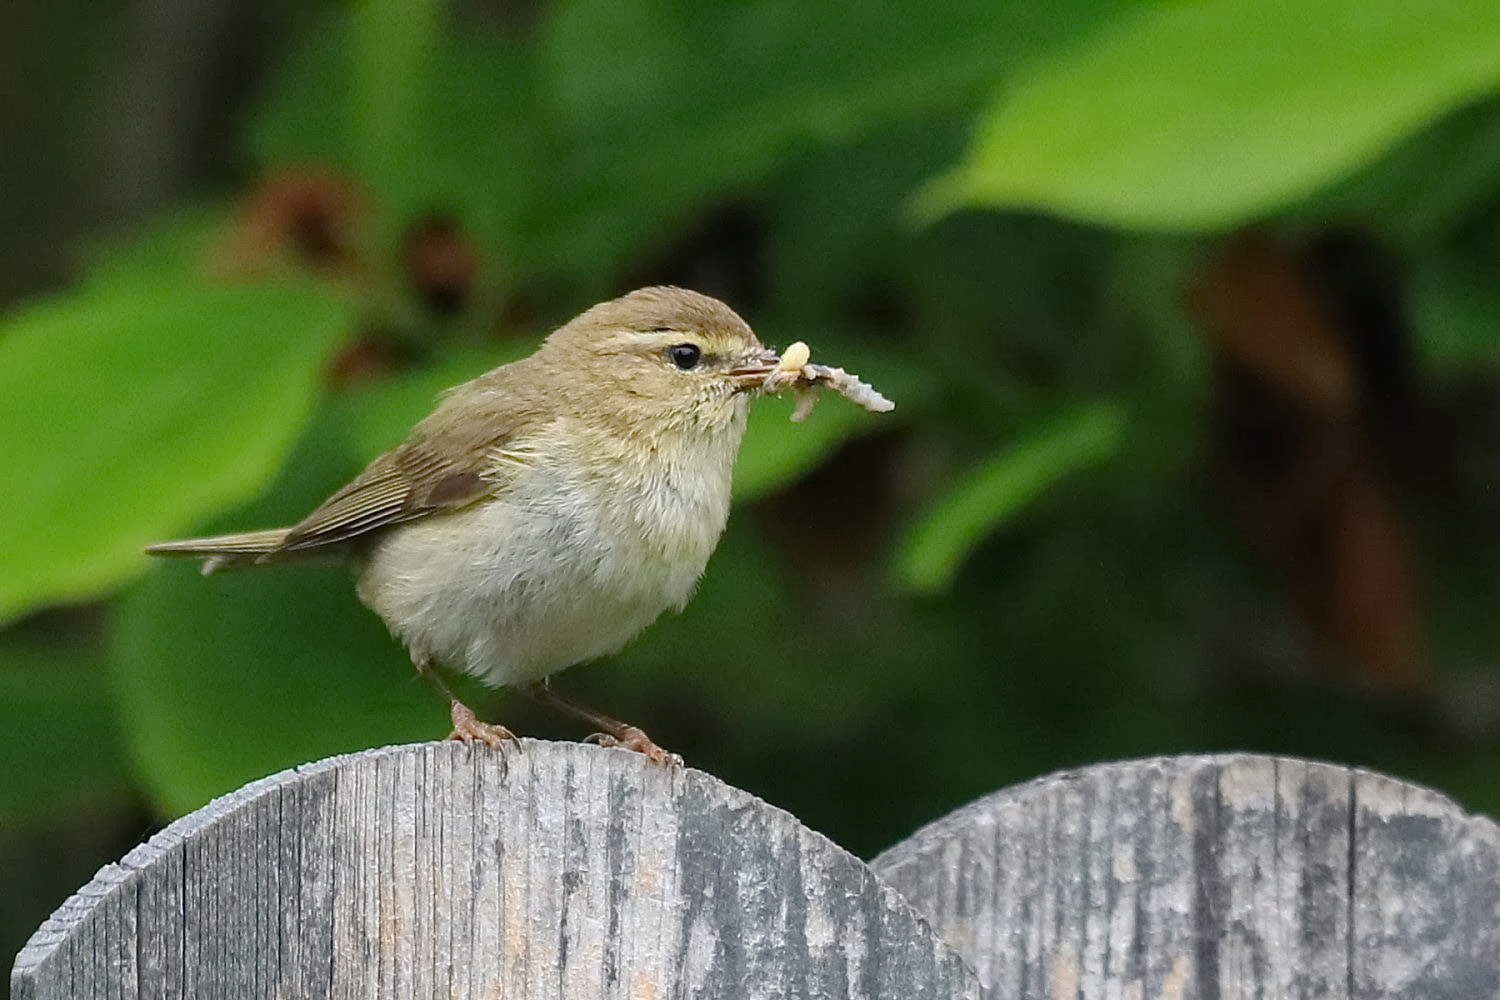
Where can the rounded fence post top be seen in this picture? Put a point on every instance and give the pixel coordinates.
(1213, 875)
(548, 870)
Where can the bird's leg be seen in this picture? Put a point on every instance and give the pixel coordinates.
(612, 732)
(466, 725)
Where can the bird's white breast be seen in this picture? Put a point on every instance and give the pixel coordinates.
(569, 561)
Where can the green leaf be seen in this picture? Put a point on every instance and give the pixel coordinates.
(999, 487)
(231, 677)
(63, 748)
(1206, 115)
(133, 410)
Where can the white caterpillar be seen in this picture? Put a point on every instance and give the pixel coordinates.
(794, 372)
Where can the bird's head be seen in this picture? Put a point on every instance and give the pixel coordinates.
(659, 356)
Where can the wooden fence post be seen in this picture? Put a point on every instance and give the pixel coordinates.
(1213, 877)
(561, 871)
(577, 872)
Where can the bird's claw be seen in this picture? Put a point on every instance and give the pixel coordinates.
(632, 738)
(468, 729)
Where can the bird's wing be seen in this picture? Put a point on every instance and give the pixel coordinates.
(399, 486)
(444, 466)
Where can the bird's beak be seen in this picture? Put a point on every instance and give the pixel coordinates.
(753, 368)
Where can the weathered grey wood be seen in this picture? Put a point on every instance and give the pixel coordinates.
(437, 870)
(1208, 877)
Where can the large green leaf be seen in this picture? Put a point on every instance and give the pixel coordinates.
(1205, 115)
(136, 408)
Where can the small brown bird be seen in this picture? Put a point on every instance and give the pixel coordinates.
(550, 509)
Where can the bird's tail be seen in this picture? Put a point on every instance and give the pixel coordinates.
(246, 548)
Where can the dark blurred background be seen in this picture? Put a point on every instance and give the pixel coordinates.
(1190, 313)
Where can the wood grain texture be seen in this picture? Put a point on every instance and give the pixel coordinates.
(443, 870)
(1198, 878)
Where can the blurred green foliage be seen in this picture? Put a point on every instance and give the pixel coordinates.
(1024, 566)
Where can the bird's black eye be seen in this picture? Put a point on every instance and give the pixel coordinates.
(684, 356)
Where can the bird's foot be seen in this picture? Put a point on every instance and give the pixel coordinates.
(467, 728)
(631, 738)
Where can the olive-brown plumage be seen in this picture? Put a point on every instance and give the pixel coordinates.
(548, 510)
